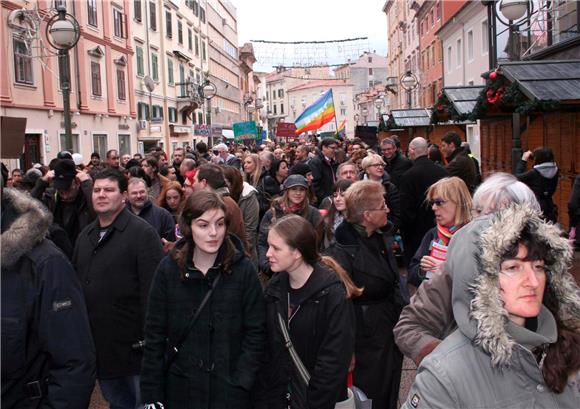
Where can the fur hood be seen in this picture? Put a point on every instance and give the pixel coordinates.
(473, 260)
(28, 222)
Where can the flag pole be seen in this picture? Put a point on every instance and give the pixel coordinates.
(335, 118)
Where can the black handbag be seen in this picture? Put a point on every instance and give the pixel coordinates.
(174, 350)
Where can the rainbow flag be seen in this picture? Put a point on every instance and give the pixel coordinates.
(341, 129)
(317, 114)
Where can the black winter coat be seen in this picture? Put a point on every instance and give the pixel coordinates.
(415, 275)
(417, 217)
(159, 218)
(322, 332)
(216, 366)
(542, 186)
(116, 274)
(462, 166)
(396, 167)
(46, 337)
(371, 264)
(323, 176)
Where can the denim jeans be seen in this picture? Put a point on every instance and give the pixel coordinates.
(122, 393)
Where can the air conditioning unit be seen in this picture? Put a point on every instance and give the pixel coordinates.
(142, 124)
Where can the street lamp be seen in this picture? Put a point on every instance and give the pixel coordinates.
(356, 118)
(365, 113)
(63, 33)
(379, 102)
(409, 82)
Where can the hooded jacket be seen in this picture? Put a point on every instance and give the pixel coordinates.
(47, 348)
(488, 362)
(543, 180)
(323, 334)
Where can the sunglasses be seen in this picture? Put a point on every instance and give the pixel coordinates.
(437, 202)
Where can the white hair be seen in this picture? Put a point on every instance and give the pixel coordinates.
(499, 190)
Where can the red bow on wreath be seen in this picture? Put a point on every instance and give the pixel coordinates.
(494, 96)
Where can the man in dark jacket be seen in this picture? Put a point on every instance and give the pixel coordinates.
(116, 257)
(458, 163)
(417, 217)
(140, 205)
(395, 162)
(69, 199)
(324, 169)
(48, 357)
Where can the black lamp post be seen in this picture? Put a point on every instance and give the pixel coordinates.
(63, 33)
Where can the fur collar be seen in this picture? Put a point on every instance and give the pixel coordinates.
(29, 227)
(486, 308)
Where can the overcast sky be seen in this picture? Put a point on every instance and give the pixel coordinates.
(308, 20)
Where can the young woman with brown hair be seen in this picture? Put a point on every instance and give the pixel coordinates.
(308, 298)
(218, 356)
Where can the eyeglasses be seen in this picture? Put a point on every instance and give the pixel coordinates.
(377, 165)
(437, 202)
(382, 209)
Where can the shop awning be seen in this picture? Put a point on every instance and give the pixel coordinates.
(406, 118)
(545, 80)
(463, 98)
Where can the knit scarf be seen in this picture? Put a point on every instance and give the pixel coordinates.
(444, 234)
(293, 208)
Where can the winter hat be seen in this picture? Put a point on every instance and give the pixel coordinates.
(295, 180)
(300, 169)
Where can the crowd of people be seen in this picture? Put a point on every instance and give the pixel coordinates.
(281, 275)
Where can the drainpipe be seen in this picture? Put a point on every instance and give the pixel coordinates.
(77, 67)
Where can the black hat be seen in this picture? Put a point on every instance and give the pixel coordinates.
(64, 173)
(64, 155)
(300, 169)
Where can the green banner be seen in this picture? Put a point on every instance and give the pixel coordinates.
(245, 131)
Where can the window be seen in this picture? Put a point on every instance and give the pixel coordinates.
(195, 8)
(183, 92)
(154, 67)
(484, 38)
(370, 71)
(280, 93)
(71, 143)
(152, 16)
(281, 108)
(449, 59)
(230, 49)
(124, 144)
(137, 9)
(197, 46)
(438, 8)
(370, 60)
(470, 45)
(189, 39)
(22, 63)
(140, 67)
(275, 109)
(273, 94)
(142, 111)
(168, 24)
(100, 144)
(92, 12)
(342, 111)
(202, 14)
(172, 114)
(157, 113)
(170, 79)
(121, 85)
(96, 78)
(203, 54)
(179, 32)
(459, 52)
(432, 18)
(200, 118)
(118, 23)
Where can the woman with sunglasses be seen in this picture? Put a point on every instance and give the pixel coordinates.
(451, 202)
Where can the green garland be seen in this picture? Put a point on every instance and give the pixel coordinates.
(498, 92)
(445, 106)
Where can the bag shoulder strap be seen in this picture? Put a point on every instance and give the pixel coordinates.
(302, 371)
(195, 315)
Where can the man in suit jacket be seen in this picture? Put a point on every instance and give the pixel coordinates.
(115, 258)
(416, 215)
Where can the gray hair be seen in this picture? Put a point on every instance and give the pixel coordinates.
(499, 190)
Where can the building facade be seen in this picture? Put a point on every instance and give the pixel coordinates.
(101, 79)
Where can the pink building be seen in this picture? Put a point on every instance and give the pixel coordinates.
(102, 103)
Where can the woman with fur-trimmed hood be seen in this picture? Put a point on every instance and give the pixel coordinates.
(518, 315)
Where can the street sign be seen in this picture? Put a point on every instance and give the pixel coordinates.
(245, 130)
(286, 129)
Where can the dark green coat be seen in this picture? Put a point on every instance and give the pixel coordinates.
(216, 366)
